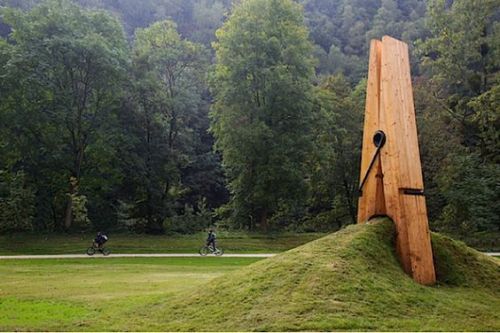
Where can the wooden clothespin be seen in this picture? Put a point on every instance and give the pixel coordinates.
(391, 174)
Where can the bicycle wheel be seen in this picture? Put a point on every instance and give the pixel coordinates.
(91, 251)
(219, 251)
(204, 250)
(105, 251)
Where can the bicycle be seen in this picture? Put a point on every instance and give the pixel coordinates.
(94, 248)
(209, 249)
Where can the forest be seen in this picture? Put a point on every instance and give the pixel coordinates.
(169, 116)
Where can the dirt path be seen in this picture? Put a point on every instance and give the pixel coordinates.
(146, 255)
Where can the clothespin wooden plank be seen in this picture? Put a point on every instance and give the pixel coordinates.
(396, 177)
(371, 201)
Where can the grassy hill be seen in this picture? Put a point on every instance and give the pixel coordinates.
(350, 280)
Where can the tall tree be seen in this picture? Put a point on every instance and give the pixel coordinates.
(68, 63)
(169, 81)
(335, 162)
(460, 62)
(262, 112)
(462, 57)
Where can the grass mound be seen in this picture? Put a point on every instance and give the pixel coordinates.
(350, 280)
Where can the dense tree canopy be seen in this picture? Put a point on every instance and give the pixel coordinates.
(168, 85)
(262, 112)
(461, 61)
(65, 70)
(104, 111)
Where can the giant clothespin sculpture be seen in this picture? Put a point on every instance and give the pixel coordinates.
(391, 174)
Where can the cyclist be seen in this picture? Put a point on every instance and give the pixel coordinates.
(100, 239)
(211, 239)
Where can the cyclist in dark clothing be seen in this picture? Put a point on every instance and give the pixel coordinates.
(211, 239)
(100, 239)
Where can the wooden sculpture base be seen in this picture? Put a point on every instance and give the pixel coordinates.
(391, 174)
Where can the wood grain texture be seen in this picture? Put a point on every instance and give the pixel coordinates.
(390, 108)
(371, 201)
(393, 155)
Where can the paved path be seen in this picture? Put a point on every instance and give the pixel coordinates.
(146, 255)
(156, 255)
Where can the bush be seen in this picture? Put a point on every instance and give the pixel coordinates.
(17, 202)
(322, 222)
(470, 187)
(125, 217)
(191, 221)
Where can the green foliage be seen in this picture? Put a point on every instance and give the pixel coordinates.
(126, 217)
(460, 115)
(131, 123)
(463, 45)
(17, 202)
(168, 73)
(325, 221)
(461, 186)
(65, 72)
(486, 117)
(343, 30)
(470, 188)
(79, 205)
(262, 114)
(4, 52)
(208, 16)
(335, 161)
(68, 110)
(190, 221)
(461, 55)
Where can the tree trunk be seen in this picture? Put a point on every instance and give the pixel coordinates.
(68, 216)
(74, 182)
(264, 223)
(350, 203)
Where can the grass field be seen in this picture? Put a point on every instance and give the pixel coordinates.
(350, 280)
(232, 242)
(96, 294)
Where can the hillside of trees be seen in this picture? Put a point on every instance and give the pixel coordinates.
(172, 115)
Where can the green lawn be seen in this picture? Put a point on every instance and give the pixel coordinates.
(97, 294)
(350, 280)
(232, 242)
